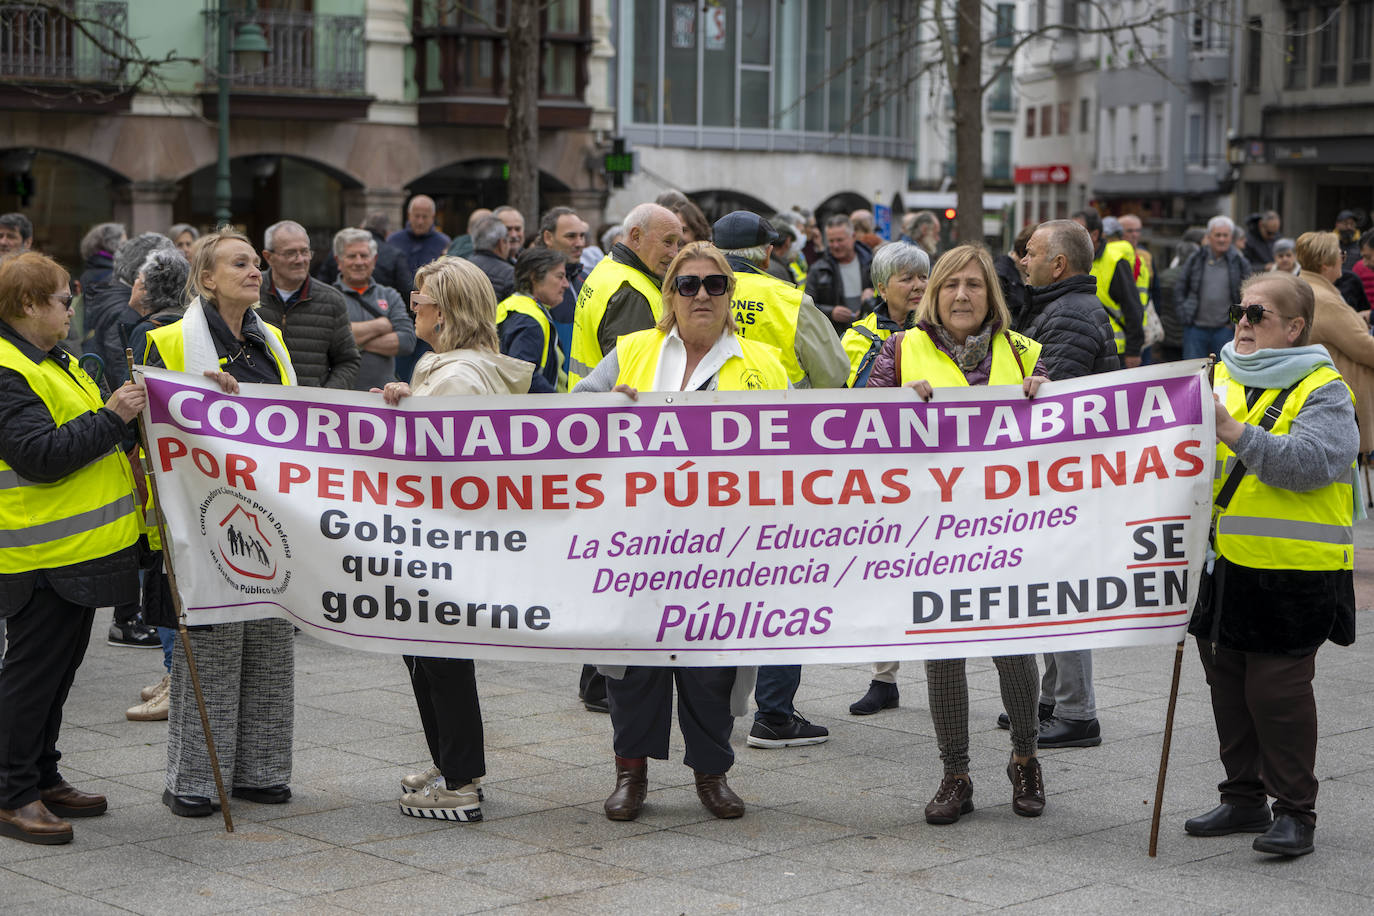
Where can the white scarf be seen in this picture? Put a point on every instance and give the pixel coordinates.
(201, 353)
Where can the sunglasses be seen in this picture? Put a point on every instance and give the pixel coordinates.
(1252, 313)
(418, 299)
(687, 285)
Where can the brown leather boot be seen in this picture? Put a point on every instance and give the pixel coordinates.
(34, 823)
(716, 794)
(631, 785)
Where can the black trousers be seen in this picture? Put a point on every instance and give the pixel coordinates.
(642, 714)
(1266, 720)
(47, 641)
(446, 693)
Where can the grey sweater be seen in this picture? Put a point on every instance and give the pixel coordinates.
(1318, 449)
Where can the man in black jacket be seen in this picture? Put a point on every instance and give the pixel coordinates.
(839, 282)
(491, 244)
(312, 316)
(1067, 319)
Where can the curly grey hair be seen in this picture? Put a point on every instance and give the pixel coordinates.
(102, 237)
(131, 255)
(164, 273)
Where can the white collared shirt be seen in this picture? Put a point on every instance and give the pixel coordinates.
(672, 362)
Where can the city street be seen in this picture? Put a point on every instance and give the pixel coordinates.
(836, 827)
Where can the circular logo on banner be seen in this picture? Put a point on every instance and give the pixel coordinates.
(247, 544)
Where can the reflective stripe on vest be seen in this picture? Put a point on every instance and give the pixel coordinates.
(766, 310)
(856, 345)
(520, 304)
(921, 359)
(171, 346)
(88, 514)
(603, 282)
(1103, 270)
(1267, 527)
(758, 369)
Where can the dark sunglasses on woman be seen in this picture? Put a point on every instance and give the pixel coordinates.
(687, 285)
(1255, 313)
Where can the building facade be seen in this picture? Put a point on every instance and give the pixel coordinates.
(1306, 128)
(360, 105)
(764, 104)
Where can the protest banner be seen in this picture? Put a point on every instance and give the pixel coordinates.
(700, 528)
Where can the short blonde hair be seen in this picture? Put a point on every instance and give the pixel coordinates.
(1316, 250)
(690, 252)
(466, 303)
(949, 264)
(203, 255)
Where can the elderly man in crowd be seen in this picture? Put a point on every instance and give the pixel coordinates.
(838, 282)
(420, 241)
(514, 222)
(1260, 234)
(313, 317)
(16, 233)
(624, 293)
(1207, 288)
(491, 249)
(382, 328)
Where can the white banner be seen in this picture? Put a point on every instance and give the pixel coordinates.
(700, 528)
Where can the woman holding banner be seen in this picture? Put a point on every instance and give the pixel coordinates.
(247, 670)
(1285, 500)
(693, 348)
(455, 313)
(962, 337)
(70, 530)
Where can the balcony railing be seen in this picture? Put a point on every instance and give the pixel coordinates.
(309, 52)
(64, 42)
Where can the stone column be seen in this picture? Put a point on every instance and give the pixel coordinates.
(145, 206)
(389, 81)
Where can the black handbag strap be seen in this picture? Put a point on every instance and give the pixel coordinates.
(1266, 423)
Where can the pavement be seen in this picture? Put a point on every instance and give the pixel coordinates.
(830, 828)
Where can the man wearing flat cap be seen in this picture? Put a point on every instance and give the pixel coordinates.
(777, 313)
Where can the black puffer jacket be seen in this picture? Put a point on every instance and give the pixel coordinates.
(498, 270)
(1070, 324)
(317, 332)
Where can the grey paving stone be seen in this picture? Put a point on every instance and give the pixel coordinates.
(191, 891)
(652, 896)
(248, 843)
(323, 872)
(546, 874)
(1108, 898)
(564, 828)
(81, 872)
(873, 895)
(353, 824)
(769, 878)
(773, 830)
(665, 852)
(438, 893)
(452, 849)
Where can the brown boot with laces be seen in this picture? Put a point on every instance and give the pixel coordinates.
(953, 799)
(1027, 787)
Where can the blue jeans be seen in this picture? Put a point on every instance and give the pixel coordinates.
(168, 636)
(773, 693)
(1199, 343)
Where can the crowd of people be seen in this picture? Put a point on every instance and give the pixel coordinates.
(671, 302)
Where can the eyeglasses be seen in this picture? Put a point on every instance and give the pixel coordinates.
(1252, 313)
(295, 254)
(687, 285)
(418, 299)
(64, 298)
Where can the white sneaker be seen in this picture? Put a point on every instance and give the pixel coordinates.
(417, 781)
(154, 708)
(437, 801)
(152, 690)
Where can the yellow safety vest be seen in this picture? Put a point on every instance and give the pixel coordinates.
(1142, 282)
(520, 304)
(1013, 358)
(766, 310)
(758, 369)
(1103, 269)
(603, 282)
(171, 346)
(1266, 527)
(797, 268)
(857, 343)
(90, 513)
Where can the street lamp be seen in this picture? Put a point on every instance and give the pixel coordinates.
(251, 47)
